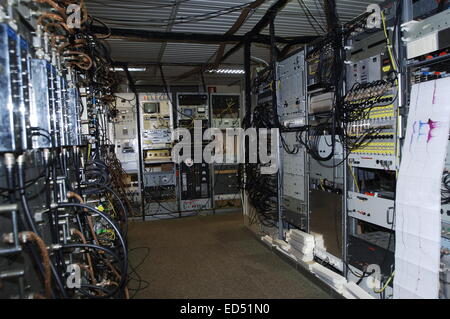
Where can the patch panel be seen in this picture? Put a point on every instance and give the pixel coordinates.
(380, 152)
(371, 101)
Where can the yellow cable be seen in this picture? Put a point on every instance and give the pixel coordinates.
(112, 207)
(89, 152)
(388, 41)
(111, 234)
(354, 177)
(385, 285)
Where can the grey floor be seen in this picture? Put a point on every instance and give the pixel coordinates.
(211, 257)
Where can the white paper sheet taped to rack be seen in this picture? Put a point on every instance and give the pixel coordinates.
(418, 219)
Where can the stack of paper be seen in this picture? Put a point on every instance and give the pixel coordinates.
(268, 240)
(330, 277)
(302, 245)
(356, 292)
(319, 241)
(282, 244)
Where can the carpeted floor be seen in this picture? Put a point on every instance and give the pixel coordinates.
(211, 257)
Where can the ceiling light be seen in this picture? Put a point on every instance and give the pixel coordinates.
(129, 69)
(227, 71)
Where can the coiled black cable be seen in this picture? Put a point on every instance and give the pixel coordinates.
(109, 293)
(117, 231)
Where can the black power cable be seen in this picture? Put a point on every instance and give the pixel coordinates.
(31, 224)
(115, 228)
(108, 293)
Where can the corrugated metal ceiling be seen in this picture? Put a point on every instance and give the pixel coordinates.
(158, 15)
(189, 52)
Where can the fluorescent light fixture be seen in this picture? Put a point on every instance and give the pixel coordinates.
(227, 71)
(129, 69)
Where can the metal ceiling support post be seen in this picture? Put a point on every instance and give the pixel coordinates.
(334, 27)
(248, 83)
(406, 16)
(133, 88)
(273, 63)
(248, 111)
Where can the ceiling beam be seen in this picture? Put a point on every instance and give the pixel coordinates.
(286, 49)
(265, 20)
(259, 27)
(237, 25)
(183, 37)
(160, 36)
(145, 64)
(231, 31)
(169, 27)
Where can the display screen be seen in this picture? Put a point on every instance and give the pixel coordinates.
(187, 112)
(151, 107)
